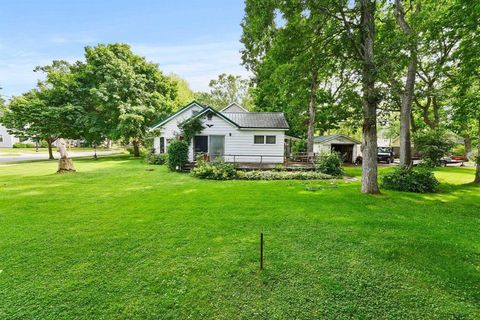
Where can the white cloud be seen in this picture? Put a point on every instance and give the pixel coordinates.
(197, 63)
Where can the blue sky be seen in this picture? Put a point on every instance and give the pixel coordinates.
(193, 38)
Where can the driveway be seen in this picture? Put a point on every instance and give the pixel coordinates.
(44, 156)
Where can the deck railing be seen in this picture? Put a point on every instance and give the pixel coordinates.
(303, 157)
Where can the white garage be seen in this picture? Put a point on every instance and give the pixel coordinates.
(349, 148)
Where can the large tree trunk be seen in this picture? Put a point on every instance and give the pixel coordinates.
(407, 94)
(136, 148)
(50, 151)
(406, 114)
(467, 141)
(369, 130)
(65, 164)
(477, 172)
(311, 113)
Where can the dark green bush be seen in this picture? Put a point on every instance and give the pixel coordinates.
(329, 163)
(177, 155)
(23, 145)
(214, 170)
(432, 144)
(130, 150)
(282, 175)
(154, 158)
(419, 180)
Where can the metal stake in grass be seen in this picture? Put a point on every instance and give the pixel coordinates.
(261, 250)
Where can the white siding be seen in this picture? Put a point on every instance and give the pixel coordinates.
(237, 142)
(170, 129)
(327, 146)
(6, 139)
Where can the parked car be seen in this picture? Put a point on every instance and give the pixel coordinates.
(453, 160)
(385, 154)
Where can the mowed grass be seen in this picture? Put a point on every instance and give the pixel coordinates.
(114, 241)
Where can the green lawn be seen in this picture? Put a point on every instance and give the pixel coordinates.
(115, 241)
(17, 151)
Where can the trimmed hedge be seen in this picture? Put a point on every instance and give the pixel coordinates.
(215, 171)
(419, 180)
(23, 145)
(282, 175)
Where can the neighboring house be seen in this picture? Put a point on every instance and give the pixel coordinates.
(233, 133)
(348, 147)
(6, 139)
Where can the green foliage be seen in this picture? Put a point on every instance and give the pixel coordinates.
(184, 94)
(177, 155)
(227, 88)
(299, 146)
(155, 158)
(282, 175)
(47, 112)
(214, 170)
(329, 163)
(296, 60)
(122, 93)
(190, 128)
(432, 144)
(23, 145)
(419, 180)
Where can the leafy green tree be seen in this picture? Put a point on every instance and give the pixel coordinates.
(46, 113)
(290, 49)
(227, 88)
(184, 94)
(466, 79)
(122, 93)
(31, 116)
(293, 47)
(433, 144)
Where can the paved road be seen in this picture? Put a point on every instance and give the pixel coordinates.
(44, 156)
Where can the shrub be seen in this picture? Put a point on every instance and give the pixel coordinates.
(329, 163)
(23, 145)
(154, 158)
(283, 175)
(130, 150)
(432, 144)
(177, 155)
(299, 146)
(419, 180)
(214, 170)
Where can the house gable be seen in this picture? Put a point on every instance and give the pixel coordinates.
(184, 113)
(233, 107)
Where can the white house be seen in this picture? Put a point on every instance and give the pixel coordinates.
(348, 147)
(233, 133)
(6, 139)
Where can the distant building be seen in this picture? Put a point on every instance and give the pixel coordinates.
(6, 139)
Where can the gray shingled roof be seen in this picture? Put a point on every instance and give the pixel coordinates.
(270, 120)
(322, 139)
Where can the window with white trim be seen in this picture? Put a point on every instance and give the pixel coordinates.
(270, 139)
(264, 139)
(1, 138)
(258, 139)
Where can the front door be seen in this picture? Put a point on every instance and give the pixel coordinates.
(200, 144)
(217, 147)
